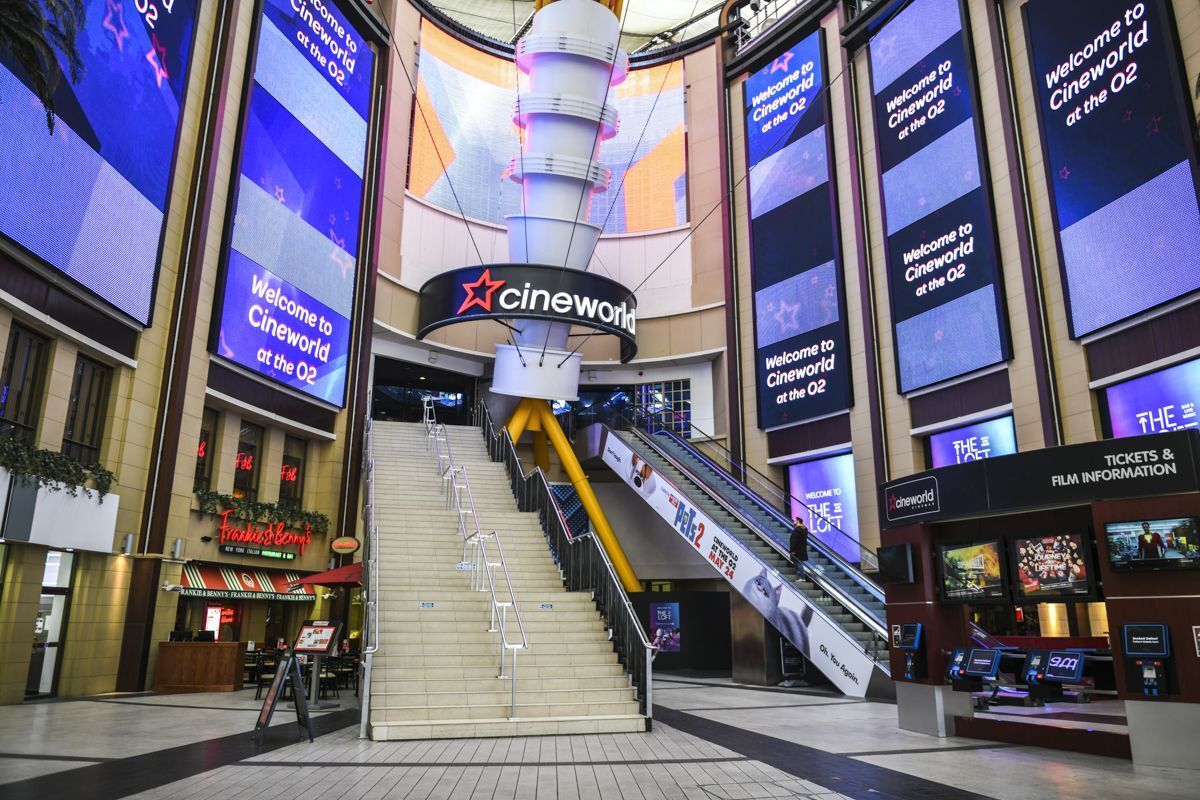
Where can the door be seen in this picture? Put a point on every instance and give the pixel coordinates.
(50, 626)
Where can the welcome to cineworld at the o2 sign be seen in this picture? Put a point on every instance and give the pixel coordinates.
(530, 291)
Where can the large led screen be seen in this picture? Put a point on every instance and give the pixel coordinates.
(464, 138)
(290, 269)
(996, 437)
(823, 495)
(801, 353)
(971, 572)
(943, 271)
(1117, 134)
(90, 199)
(1167, 400)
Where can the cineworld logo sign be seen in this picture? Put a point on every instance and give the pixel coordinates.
(530, 291)
(914, 498)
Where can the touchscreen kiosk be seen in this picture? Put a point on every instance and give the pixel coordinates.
(910, 644)
(982, 663)
(1147, 649)
(958, 663)
(1064, 666)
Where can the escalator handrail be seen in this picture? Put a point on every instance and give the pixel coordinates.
(829, 552)
(778, 490)
(863, 614)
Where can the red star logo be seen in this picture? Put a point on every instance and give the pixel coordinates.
(473, 296)
(1064, 173)
(121, 33)
(157, 55)
(781, 64)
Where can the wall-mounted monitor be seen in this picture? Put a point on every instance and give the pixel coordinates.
(982, 663)
(1146, 640)
(90, 199)
(995, 437)
(1052, 566)
(1153, 544)
(1064, 666)
(1166, 400)
(910, 636)
(895, 563)
(972, 572)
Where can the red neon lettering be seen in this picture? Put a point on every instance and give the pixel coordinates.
(201, 450)
(245, 461)
(289, 474)
(272, 534)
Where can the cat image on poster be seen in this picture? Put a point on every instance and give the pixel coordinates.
(765, 599)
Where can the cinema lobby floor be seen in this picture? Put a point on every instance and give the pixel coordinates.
(711, 741)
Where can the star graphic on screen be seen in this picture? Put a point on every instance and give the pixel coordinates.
(885, 48)
(781, 64)
(337, 182)
(114, 23)
(484, 299)
(1127, 116)
(938, 335)
(157, 56)
(1064, 173)
(344, 261)
(333, 219)
(787, 315)
(279, 195)
(957, 91)
(1152, 127)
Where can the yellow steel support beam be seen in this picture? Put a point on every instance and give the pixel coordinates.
(604, 531)
(541, 450)
(519, 419)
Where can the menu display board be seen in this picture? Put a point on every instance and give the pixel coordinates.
(291, 262)
(943, 267)
(1118, 135)
(90, 199)
(801, 345)
(318, 637)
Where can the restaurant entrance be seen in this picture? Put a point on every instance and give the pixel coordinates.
(50, 626)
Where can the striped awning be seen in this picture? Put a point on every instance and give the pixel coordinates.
(242, 583)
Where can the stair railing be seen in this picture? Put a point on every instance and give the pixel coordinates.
(582, 563)
(371, 585)
(482, 555)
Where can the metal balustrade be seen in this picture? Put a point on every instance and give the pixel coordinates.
(371, 585)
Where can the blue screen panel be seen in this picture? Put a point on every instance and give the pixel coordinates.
(292, 265)
(943, 268)
(801, 343)
(1117, 132)
(823, 495)
(103, 176)
(996, 437)
(1167, 400)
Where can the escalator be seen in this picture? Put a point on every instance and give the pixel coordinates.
(831, 612)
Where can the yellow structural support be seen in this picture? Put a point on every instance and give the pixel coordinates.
(519, 419)
(541, 450)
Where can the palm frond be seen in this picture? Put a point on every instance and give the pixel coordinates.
(34, 32)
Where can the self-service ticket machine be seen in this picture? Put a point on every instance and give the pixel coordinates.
(1149, 669)
(1046, 673)
(912, 644)
(970, 669)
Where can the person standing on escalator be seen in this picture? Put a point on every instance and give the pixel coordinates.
(798, 546)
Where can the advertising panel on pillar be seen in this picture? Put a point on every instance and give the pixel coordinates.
(90, 199)
(801, 352)
(1117, 131)
(291, 260)
(943, 267)
(995, 437)
(1166, 400)
(823, 495)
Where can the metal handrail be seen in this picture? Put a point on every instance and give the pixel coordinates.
(582, 563)
(371, 584)
(461, 498)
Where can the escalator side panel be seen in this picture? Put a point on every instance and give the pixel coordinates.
(829, 648)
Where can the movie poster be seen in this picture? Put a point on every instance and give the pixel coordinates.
(972, 572)
(665, 627)
(1051, 565)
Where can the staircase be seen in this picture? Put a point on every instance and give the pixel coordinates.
(435, 674)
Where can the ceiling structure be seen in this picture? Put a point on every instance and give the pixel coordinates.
(647, 25)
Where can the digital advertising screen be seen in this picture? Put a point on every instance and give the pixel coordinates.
(1153, 544)
(464, 138)
(665, 627)
(995, 437)
(823, 495)
(1051, 566)
(292, 261)
(1117, 132)
(1166, 400)
(943, 267)
(90, 199)
(801, 356)
(971, 573)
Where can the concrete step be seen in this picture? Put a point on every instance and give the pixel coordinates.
(487, 654)
(494, 728)
(388, 714)
(496, 693)
(526, 672)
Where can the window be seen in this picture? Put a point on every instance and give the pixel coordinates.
(245, 468)
(87, 409)
(291, 474)
(21, 384)
(204, 456)
(667, 406)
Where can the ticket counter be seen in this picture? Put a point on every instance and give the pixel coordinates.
(200, 666)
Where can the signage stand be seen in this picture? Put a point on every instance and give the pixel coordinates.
(317, 638)
(288, 669)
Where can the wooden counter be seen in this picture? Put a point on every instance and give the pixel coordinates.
(199, 666)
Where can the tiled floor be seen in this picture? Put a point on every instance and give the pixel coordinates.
(711, 741)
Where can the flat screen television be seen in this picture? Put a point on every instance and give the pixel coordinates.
(982, 663)
(895, 563)
(1153, 544)
(1146, 640)
(1052, 566)
(972, 572)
